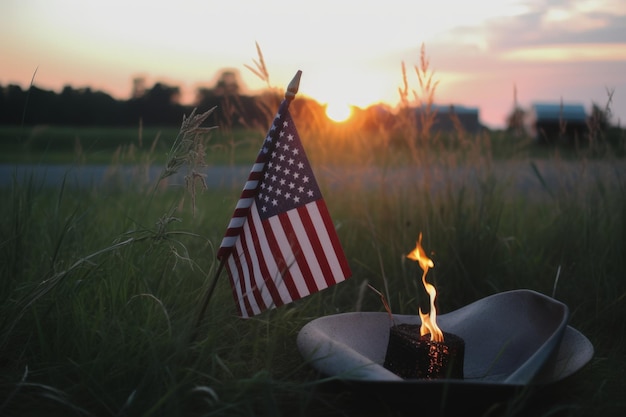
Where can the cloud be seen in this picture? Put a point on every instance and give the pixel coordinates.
(569, 53)
(556, 22)
(538, 30)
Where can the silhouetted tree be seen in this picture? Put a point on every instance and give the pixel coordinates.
(205, 99)
(233, 108)
(12, 104)
(42, 106)
(160, 105)
(85, 106)
(227, 84)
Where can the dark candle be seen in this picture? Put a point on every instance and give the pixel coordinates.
(410, 355)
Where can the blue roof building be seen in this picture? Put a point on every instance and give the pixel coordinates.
(557, 122)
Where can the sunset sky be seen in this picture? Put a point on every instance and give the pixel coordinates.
(349, 52)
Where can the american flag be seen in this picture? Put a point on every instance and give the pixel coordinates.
(281, 244)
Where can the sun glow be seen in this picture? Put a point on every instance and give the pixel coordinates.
(338, 112)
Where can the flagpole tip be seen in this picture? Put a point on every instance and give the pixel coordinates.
(292, 89)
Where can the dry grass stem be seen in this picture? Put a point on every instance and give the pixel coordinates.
(260, 69)
(188, 148)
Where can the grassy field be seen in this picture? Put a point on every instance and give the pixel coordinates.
(105, 145)
(325, 143)
(100, 288)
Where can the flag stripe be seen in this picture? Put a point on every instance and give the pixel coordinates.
(241, 272)
(324, 238)
(243, 207)
(247, 254)
(308, 244)
(330, 242)
(233, 283)
(244, 288)
(265, 287)
(268, 256)
(235, 269)
(296, 249)
(312, 225)
(244, 203)
(267, 259)
(281, 248)
(252, 261)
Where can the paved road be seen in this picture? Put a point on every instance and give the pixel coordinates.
(85, 176)
(528, 177)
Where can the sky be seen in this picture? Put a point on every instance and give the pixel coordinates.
(351, 53)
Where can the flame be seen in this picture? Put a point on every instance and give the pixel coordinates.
(429, 320)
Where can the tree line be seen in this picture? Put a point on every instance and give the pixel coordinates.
(158, 105)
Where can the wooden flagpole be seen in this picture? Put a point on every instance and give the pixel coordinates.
(290, 94)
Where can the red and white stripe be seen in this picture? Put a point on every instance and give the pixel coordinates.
(243, 206)
(284, 258)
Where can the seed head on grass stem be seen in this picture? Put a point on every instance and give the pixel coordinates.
(260, 69)
(188, 149)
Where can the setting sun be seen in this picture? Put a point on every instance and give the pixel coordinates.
(338, 112)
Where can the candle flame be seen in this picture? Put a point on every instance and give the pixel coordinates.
(429, 320)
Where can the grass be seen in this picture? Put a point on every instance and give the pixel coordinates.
(95, 324)
(102, 145)
(100, 287)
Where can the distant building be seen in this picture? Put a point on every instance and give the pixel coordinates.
(560, 122)
(452, 118)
